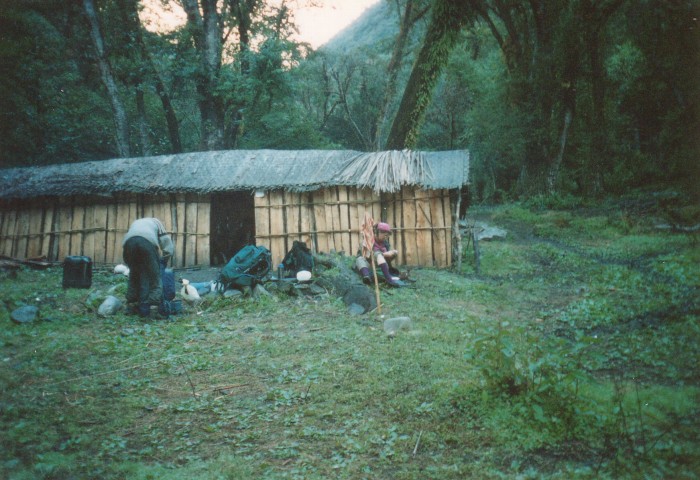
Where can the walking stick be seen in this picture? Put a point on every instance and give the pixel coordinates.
(376, 284)
(367, 245)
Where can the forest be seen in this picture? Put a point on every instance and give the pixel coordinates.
(562, 98)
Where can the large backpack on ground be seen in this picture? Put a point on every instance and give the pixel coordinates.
(249, 266)
(298, 258)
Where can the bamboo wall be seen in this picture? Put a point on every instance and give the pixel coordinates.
(95, 226)
(329, 220)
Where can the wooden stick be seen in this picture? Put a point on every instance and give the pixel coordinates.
(376, 284)
(228, 387)
(187, 374)
(415, 449)
(368, 241)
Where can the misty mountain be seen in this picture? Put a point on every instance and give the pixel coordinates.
(375, 29)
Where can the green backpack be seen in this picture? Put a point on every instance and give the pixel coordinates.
(249, 266)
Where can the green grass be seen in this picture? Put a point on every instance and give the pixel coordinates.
(572, 355)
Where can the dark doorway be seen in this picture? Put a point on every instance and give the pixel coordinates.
(232, 224)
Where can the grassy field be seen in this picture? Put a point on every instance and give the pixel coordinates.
(573, 354)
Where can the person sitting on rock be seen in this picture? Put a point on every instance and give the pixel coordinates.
(383, 256)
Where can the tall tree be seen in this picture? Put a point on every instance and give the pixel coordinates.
(596, 18)
(144, 67)
(413, 11)
(654, 93)
(544, 44)
(448, 18)
(120, 118)
(223, 89)
(206, 28)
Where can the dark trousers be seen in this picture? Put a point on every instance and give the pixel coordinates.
(145, 285)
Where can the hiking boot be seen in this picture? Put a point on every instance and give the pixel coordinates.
(144, 310)
(393, 283)
(366, 279)
(157, 313)
(405, 278)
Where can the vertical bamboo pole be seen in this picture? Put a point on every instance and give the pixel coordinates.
(101, 223)
(277, 226)
(112, 252)
(354, 220)
(292, 217)
(423, 224)
(180, 240)
(203, 238)
(161, 211)
(126, 210)
(36, 223)
(306, 213)
(344, 220)
(172, 215)
(48, 241)
(408, 217)
(393, 207)
(446, 206)
(77, 229)
(262, 220)
(322, 244)
(456, 199)
(438, 234)
(190, 255)
(64, 223)
(147, 206)
(7, 230)
(20, 250)
(88, 248)
(330, 200)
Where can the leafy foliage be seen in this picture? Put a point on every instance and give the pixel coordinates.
(508, 81)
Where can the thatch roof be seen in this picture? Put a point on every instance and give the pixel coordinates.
(230, 170)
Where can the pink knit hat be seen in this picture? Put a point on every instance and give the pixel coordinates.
(383, 227)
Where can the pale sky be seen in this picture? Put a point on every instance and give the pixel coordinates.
(316, 25)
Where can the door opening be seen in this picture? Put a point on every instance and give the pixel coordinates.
(232, 224)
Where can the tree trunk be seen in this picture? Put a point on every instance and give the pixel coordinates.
(120, 119)
(598, 154)
(408, 20)
(243, 11)
(208, 44)
(567, 103)
(169, 111)
(447, 19)
(597, 15)
(343, 85)
(555, 167)
(146, 147)
(130, 11)
(455, 201)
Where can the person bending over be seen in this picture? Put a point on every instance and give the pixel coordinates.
(143, 245)
(383, 256)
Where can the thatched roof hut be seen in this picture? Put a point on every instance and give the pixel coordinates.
(216, 202)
